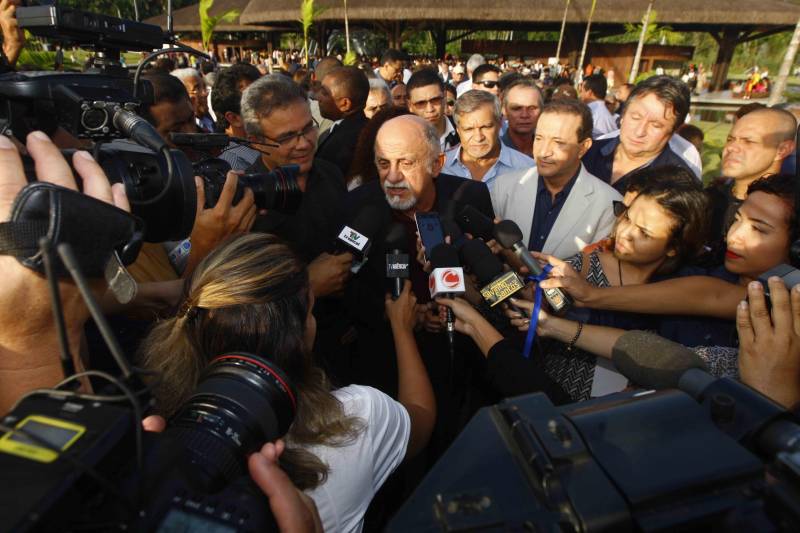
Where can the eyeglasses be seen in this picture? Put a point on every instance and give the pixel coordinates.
(489, 84)
(292, 137)
(619, 207)
(422, 104)
(451, 102)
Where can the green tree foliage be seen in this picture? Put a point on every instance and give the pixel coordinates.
(209, 22)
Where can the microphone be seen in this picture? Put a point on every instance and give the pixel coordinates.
(357, 236)
(508, 234)
(475, 223)
(452, 230)
(496, 284)
(446, 280)
(652, 361)
(397, 261)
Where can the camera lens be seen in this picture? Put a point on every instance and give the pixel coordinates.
(277, 190)
(242, 402)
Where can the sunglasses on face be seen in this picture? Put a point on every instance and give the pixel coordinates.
(488, 84)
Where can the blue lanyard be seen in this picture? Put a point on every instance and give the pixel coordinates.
(537, 306)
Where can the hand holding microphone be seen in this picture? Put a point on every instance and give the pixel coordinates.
(446, 280)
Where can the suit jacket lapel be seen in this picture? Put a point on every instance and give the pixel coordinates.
(571, 214)
(525, 209)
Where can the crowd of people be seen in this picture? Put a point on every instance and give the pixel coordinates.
(610, 196)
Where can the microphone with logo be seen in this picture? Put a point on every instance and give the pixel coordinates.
(398, 266)
(446, 281)
(508, 234)
(357, 235)
(496, 285)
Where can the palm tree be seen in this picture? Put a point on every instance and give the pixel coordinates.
(208, 23)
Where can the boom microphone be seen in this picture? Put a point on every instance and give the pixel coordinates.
(397, 261)
(653, 362)
(508, 234)
(496, 284)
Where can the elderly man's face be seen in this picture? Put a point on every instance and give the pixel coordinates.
(198, 94)
(378, 100)
(405, 165)
(479, 132)
(646, 126)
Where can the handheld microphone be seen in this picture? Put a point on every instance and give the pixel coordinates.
(508, 234)
(475, 223)
(452, 230)
(652, 361)
(446, 280)
(397, 261)
(357, 235)
(496, 284)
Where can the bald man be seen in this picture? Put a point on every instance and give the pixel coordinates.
(342, 98)
(409, 160)
(756, 147)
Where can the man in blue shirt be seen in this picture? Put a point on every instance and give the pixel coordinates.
(481, 156)
(653, 111)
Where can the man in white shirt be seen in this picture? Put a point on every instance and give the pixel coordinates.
(481, 156)
(593, 93)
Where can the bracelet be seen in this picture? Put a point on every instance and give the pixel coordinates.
(571, 344)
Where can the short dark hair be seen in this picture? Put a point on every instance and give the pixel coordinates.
(522, 81)
(691, 133)
(597, 84)
(508, 79)
(481, 70)
(166, 88)
(680, 193)
(226, 95)
(785, 187)
(450, 88)
(353, 83)
(573, 107)
(669, 91)
(423, 78)
(391, 55)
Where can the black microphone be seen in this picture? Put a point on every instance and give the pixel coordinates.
(359, 233)
(446, 280)
(652, 361)
(452, 230)
(474, 222)
(496, 285)
(397, 261)
(509, 236)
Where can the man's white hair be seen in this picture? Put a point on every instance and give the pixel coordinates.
(377, 84)
(184, 74)
(474, 61)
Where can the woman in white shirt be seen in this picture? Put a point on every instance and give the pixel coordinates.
(252, 294)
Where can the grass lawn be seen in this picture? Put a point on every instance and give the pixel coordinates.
(715, 135)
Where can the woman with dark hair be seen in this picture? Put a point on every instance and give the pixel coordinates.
(252, 294)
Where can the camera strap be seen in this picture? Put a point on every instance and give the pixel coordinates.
(105, 238)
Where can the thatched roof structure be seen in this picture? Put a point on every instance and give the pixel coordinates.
(682, 14)
(187, 19)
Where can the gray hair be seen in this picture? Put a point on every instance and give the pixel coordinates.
(377, 84)
(265, 95)
(474, 61)
(184, 74)
(473, 100)
(432, 140)
(523, 82)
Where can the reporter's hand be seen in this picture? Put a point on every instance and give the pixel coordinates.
(565, 277)
(294, 512)
(402, 313)
(466, 316)
(212, 226)
(432, 321)
(769, 346)
(26, 317)
(328, 273)
(522, 321)
(426, 265)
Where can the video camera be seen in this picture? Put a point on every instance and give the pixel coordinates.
(714, 455)
(101, 106)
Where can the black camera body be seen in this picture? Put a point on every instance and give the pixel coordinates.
(193, 475)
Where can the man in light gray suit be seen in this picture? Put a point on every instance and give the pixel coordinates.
(559, 206)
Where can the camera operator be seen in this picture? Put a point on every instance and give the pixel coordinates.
(253, 294)
(276, 112)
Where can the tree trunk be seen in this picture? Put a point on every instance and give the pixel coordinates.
(786, 67)
(638, 57)
(561, 35)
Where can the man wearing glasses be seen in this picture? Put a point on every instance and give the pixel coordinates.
(559, 206)
(426, 99)
(198, 95)
(486, 78)
(277, 119)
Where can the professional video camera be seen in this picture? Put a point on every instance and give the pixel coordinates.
(101, 105)
(712, 456)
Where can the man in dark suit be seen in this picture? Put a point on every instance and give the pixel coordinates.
(409, 161)
(342, 98)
